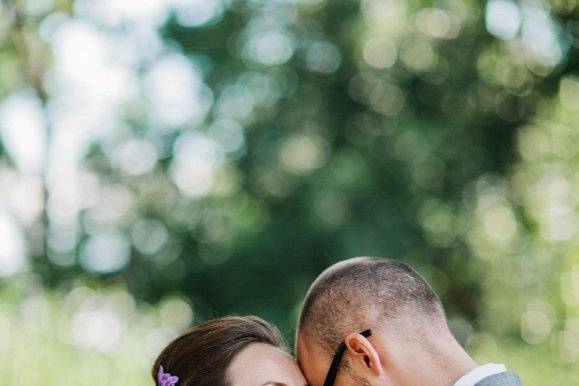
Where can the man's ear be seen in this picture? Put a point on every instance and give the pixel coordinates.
(363, 354)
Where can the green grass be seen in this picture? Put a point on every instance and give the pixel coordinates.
(89, 338)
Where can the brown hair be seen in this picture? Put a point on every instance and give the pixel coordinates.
(202, 355)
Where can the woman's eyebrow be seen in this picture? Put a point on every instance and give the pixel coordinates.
(274, 384)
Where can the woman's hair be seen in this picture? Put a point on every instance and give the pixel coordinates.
(202, 355)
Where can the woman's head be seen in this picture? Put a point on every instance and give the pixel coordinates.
(230, 351)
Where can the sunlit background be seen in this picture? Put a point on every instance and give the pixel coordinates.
(167, 161)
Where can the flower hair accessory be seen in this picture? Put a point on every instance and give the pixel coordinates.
(166, 379)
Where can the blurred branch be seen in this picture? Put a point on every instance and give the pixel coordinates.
(33, 69)
(30, 55)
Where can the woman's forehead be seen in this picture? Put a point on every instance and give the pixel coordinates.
(259, 363)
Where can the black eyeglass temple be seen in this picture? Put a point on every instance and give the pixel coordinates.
(333, 370)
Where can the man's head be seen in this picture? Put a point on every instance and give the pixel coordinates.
(390, 298)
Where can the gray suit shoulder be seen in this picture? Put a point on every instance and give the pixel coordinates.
(501, 379)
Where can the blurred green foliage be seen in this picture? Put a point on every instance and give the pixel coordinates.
(269, 139)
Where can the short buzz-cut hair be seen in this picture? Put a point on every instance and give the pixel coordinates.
(352, 293)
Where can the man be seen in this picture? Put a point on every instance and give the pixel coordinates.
(377, 322)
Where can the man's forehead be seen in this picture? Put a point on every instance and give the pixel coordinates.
(312, 361)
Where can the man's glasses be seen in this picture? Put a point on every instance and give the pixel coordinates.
(334, 367)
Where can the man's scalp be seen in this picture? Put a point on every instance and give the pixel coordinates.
(354, 293)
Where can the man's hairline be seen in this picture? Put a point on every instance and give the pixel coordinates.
(436, 313)
(375, 322)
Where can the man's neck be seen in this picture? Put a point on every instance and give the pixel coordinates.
(442, 366)
(457, 366)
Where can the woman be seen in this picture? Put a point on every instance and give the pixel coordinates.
(230, 351)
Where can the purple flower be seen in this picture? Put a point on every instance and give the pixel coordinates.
(166, 379)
